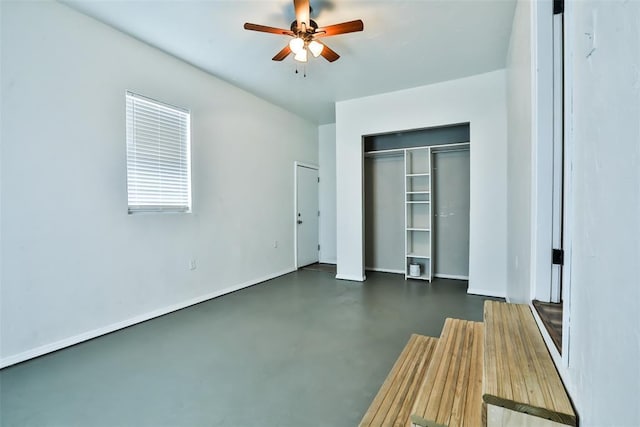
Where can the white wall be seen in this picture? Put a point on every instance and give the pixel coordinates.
(603, 103)
(74, 263)
(604, 352)
(519, 113)
(480, 100)
(327, 158)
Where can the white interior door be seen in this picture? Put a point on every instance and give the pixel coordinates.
(307, 220)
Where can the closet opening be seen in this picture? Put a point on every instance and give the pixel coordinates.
(416, 202)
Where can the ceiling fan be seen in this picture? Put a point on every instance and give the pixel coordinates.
(305, 34)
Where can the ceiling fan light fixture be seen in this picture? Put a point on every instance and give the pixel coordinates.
(315, 48)
(301, 56)
(296, 45)
(303, 32)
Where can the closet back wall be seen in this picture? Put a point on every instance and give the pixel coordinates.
(384, 212)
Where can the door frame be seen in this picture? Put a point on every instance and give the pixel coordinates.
(542, 169)
(542, 151)
(297, 164)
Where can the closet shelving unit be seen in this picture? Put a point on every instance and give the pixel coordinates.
(418, 203)
(418, 212)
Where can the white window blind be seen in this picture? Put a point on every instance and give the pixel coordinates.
(158, 156)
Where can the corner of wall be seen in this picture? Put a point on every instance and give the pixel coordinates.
(327, 192)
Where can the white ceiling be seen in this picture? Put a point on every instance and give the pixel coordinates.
(404, 44)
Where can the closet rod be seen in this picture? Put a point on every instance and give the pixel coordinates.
(455, 150)
(384, 152)
(459, 146)
(444, 147)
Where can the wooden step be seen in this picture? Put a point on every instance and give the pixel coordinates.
(451, 394)
(392, 404)
(519, 374)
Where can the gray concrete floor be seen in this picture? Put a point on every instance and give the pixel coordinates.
(300, 350)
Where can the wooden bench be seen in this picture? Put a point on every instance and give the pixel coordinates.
(521, 385)
(451, 394)
(392, 404)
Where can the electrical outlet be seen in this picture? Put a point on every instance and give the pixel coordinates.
(192, 264)
(275, 243)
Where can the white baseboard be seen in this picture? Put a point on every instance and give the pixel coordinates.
(328, 260)
(451, 276)
(384, 270)
(351, 278)
(485, 293)
(76, 339)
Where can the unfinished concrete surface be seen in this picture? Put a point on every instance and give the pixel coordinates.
(300, 350)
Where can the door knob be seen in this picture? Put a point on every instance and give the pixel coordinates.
(299, 221)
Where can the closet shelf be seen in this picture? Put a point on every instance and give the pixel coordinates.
(414, 255)
(418, 213)
(422, 276)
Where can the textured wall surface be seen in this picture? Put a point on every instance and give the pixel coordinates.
(604, 352)
(73, 262)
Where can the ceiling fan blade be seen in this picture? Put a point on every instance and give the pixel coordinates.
(329, 54)
(345, 27)
(302, 13)
(282, 54)
(266, 29)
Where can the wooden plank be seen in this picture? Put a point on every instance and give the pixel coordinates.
(490, 368)
(390, 386)
(426, 389)
(553, 389)
(436, 375)
(519, 373)
(451, 394)
(504, 375)
(537, 394)
(474, 408)
(455, 415)
(395, 389)
(403, 396)
(412, 392)
(511, 356)
(447, 382)
(386, 385)
(392, 404)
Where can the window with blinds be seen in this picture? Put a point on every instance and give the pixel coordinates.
(158, 156)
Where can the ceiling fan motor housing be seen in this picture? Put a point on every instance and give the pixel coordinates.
(309, 31)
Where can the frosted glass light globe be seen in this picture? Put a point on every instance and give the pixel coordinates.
(301, 56)
(315, 48)
(296, 45)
